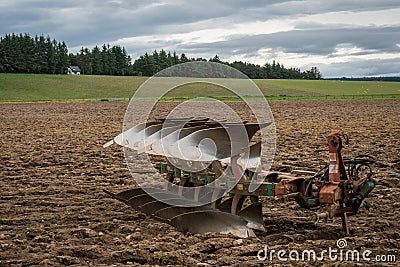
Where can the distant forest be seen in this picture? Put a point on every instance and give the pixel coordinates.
(24, 54)
(371, 79)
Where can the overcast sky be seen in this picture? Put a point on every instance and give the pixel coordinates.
(341, 37)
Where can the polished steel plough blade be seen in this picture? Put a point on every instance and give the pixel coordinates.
(170, 212)
(204, 221)
(253, 215)
(185, 214)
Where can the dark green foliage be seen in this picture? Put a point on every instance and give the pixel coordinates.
(105, 61)
(370, 79)
(41, 55)
(150, 64)
(24, 54)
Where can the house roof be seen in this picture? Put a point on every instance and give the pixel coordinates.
(75, 68)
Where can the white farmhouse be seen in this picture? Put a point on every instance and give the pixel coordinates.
(74, 70)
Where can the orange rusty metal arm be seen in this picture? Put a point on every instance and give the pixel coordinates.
(337, 171)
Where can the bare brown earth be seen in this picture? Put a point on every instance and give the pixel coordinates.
(53, 170)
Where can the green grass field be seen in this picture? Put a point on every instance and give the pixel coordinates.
(30, 87)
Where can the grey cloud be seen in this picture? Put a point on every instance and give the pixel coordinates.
(93, 22)
(315, 42)
(70, 22)
(361, 68)
(100, 21)
(88, 22)
(310, 7)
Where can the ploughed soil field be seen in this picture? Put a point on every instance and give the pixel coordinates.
(53, 170)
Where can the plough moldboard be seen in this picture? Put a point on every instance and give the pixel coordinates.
(216, 187)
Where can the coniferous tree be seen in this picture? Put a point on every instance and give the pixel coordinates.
(62, 63)
(97, 62)
(183, 58)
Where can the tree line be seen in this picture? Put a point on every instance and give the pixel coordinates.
(24, 54)
(39, 54)
(369, 79)
(150, 64)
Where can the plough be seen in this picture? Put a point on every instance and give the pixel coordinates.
(211, 186)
